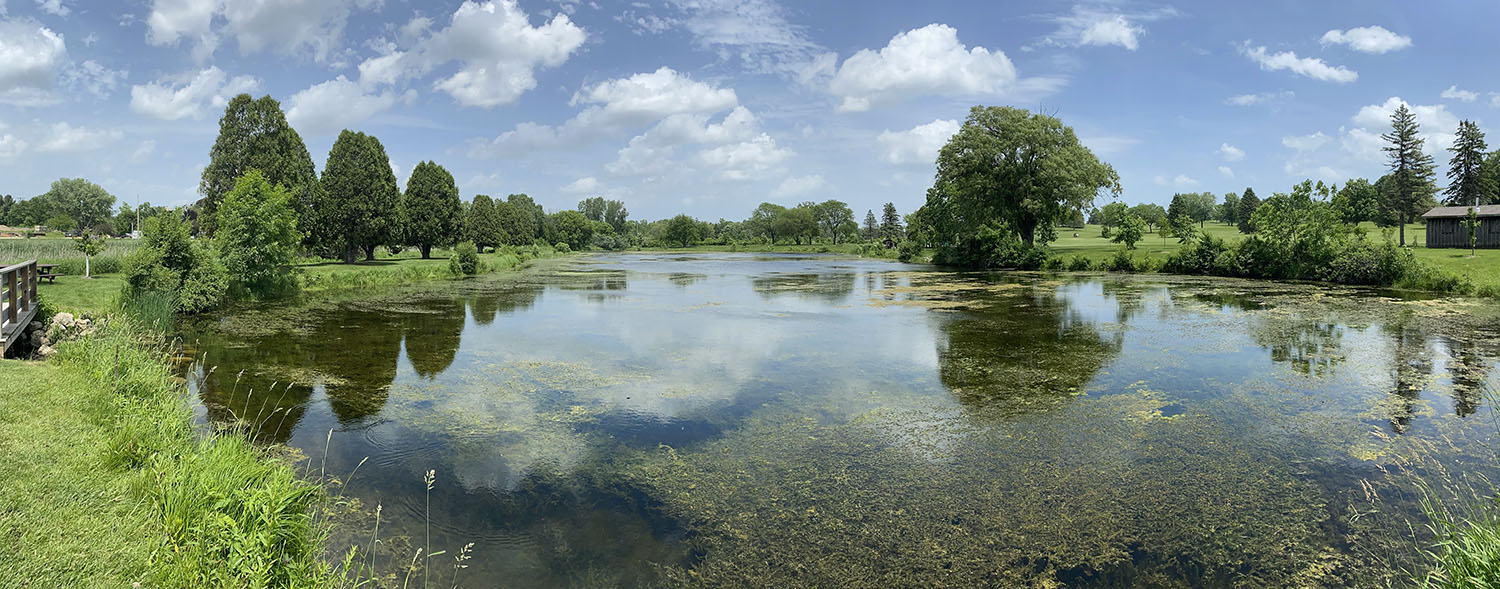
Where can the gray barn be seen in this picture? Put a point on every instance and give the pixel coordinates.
(1445, 227)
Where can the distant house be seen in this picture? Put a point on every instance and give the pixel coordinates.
(1445, 227)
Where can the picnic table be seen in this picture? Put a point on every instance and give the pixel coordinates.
(46, 271)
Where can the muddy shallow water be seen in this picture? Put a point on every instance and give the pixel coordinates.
(751, 419)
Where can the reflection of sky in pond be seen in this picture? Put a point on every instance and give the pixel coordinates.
(543, 401)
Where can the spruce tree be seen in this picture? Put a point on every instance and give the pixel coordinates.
(890, 223)
(1411, 170)
(1248, 203)
(1467, 183)
(254, 135)
(432, 208)
(872, 227)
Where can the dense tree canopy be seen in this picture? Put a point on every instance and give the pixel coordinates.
(357, 197)
(258, 235)
(85, 203)
(683, 230)
(432, 208)
(483, 225)
(1015, 170)
(1248, 203)
(832, 216)
(254, 135)
(890, 223)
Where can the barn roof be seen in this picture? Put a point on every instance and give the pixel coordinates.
(1460, 212)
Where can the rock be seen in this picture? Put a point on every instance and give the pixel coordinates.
(35, 326)
(63, 319)
(45, 351)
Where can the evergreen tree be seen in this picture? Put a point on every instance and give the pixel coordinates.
(890, 223)
(1467, 183)
(1248, 203)
(871, 228)
(254, 135)
(432, 208)
(1411, 170)
(1490, 169)
(483, 224)
(358, 200)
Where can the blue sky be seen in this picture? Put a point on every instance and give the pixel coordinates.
(712, 106)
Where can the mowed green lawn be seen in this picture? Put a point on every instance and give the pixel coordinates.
(1483, 268)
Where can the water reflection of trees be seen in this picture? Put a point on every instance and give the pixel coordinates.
(1022, 352)
(831, 287)
(353, 352)
(1310, 347)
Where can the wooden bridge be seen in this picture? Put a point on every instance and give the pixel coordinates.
(17, 301)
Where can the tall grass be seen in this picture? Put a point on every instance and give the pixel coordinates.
(1463, 520)
(227, 514)
(53, 250)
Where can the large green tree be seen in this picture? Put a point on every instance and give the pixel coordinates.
(358, 201)
(1248, 204)
(254, 135)
(832, 215)
(1010, 168)
(1468, 185)
(798, 223)
(483, 225)
(1357, 201)
(258, 235)
(87, 204)
(683, 230)
(573, 228)
(763, 220)
(871, 228)
(890, 223)
(539, 222)
(1412, 170)
(1229, 212)
(432, 208)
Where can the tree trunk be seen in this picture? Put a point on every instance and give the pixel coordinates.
(369, 253)
(1402, 220)
(349, 254)
(426, 252)
(86, 267)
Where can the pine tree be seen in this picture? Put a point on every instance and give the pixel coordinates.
(872, 227)
(1467, 184)
(1248, 203)
(1411, 170)
(890, 223)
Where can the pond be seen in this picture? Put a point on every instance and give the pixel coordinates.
(755, 419)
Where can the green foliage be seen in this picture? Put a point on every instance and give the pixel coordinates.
(358, 200)
(483, 224)
(1412, 171)
(1196, 207)
(762, 220)
(871, 229)
(465, 259)
(1248, 204)
(79, 201)
(168, 262)
(683, 231)
(258, 236)
(1184, 229)
(1010, 169)
(890, 223)
(61, 222)
(1467, 184)
(908, 251)
(562, 247)
(573, 228)
(991, 247)
(1152, 215)
(833, 217)
(1471, 225)
(432, 209)
(227, 514)
(254, 135)
(89, 245)
(1357, 201)
(611, 212)
(1131, 229)
(1079, 263)
(1229, 212)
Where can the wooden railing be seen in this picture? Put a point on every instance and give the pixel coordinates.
(17, 301)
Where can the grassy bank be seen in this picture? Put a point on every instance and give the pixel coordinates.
(108, 484)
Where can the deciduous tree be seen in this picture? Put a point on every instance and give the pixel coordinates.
(258, 235)
(254, 135)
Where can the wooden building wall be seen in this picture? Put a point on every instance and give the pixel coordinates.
(1451, 233)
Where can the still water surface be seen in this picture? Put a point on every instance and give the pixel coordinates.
(750, 419)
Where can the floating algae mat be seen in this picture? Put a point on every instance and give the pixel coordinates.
(812, 421)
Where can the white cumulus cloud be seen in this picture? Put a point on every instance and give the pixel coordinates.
(313, 27)
(800, 185)
(1231, 153)
(1453, 93)
(1311, 67)
(1226, 172)
(1305, 143)
(583, 185)
(919, 144)
(1437, 126)
(925, 61)
(1260, 98)
(1372, 39)
(1178, 181)
(333, 105)
(171, 100)
(62, 137)
(30, 55)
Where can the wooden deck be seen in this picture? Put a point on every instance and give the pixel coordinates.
(18, 302)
